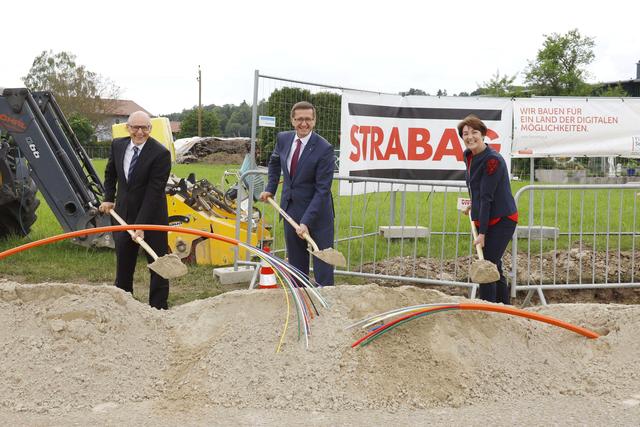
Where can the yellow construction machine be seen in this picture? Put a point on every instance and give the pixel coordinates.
(202, 206)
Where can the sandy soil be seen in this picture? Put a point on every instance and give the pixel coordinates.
(79, 354)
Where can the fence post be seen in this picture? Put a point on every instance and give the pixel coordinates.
(392, 208)
(254, 133)
(532, 171)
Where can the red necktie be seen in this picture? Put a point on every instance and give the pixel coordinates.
(294, 159)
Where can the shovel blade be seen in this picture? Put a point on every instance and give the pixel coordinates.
(483, 271)
(169, 266)
(330, 256)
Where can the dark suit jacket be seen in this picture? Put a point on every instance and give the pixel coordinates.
(306, 197)
(142, 200)
(489, 187)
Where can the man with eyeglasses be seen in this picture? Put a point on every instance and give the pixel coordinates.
(306, 162)
(135, 178)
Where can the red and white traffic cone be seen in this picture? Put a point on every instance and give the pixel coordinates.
(268, 278)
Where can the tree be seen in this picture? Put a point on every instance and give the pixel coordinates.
(82, 128)
(222, 113)
(559, 67)
(239, 122)
(328, 110)
(441, 92)
(605, 90)
(413, 91)
(189, 125)
(498, 85)
(77, 90)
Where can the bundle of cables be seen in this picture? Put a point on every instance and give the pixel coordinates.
(292, 280)
(302, 289)
(376, 326)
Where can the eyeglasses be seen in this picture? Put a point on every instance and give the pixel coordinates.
(300, 120)
(137, 128)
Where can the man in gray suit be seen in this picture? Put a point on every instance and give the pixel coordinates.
(306, 162)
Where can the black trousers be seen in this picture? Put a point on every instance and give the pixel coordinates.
(126, 258)
(496, 240)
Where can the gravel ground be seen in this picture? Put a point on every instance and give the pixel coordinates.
(78, 354)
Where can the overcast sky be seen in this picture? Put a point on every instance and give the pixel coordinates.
(152, 50)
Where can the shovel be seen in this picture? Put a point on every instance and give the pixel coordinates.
(329, 255)
(482, 271)
(167, 266)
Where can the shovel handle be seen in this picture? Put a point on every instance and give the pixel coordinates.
(139, 240)
(293, 223)
(474, 232)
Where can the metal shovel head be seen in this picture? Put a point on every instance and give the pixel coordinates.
(169, 266)
(483, 271)
(330, 256)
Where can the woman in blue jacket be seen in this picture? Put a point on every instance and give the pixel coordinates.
(493, 208)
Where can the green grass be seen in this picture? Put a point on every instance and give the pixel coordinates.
(614, 210)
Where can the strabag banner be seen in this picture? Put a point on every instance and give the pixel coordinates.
(576, 127)
(413, 138)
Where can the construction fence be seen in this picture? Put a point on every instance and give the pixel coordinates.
(568, 237)
(576, 232)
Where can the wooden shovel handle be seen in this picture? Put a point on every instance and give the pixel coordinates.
(293, 223)
(138, 239)
(474, 231)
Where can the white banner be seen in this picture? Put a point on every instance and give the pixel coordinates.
(413, 137)
(576, 127)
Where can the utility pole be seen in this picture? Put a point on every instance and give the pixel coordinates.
(199, 102)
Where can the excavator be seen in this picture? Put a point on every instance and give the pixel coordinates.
(39, 151)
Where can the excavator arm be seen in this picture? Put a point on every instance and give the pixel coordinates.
(57, 162)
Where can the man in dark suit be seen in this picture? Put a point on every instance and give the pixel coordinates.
(306, 161)
(139, 166)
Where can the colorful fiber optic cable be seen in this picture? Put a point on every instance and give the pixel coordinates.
(403, 315)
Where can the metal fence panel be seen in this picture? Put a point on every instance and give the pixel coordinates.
(575, 237)
(429, 242)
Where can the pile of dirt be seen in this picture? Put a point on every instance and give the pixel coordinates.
(88, 348)
(216, 150)
(68, 346)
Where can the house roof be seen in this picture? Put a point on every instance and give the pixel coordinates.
(633, 84)
(616, 82)
(175, 126)
(124, 107)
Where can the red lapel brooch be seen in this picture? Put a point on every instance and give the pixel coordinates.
(492, 166)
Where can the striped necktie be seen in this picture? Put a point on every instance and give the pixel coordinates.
(134, 160)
